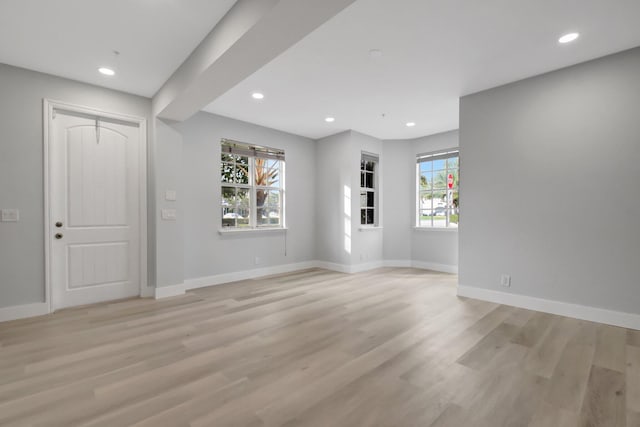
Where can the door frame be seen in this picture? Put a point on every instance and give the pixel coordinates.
(48, 108)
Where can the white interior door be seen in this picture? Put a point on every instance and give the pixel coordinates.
(94, 199)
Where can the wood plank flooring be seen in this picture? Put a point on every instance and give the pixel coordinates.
(390, 347)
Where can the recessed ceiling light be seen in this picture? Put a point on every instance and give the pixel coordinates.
(568, 38)
(330, 119)
(410, 124)
(106, 71)
(257, 95)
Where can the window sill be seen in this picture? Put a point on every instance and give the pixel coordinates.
(266, 230)
(370, 228)
(448, 230)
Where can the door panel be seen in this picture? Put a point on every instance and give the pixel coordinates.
(95, 210)
(97, 177)
(98, 264)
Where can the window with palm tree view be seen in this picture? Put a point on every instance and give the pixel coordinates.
(252, 185)
(438, 189)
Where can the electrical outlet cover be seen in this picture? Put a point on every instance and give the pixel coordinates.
(170, 195)
(168, 214)
(505, 280)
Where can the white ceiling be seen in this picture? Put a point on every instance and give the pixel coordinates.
(433, 52)
(72, 38)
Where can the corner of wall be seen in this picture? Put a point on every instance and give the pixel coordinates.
(169, 233)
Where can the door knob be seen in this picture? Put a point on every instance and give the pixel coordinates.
(58, 224)
(58, 236)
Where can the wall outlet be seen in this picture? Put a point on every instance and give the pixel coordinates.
(170, 195)
(258, 260)
(505, 280)
(10, 215)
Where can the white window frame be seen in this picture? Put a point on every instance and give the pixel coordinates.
(437, 155)
(365, 157)
(253, 152)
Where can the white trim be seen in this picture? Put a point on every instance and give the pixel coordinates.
(442, 268)
(350, 269)
(169, 291)
(47, 112)
(404, 263)
(218, 279)
(377, 195)
(366, 228)
(253, 188)
(48, 107)
(37, 309)
(365, 266)
(236, 230)
(340, 268)
(583, 312)
(448, 229)
(23, 311)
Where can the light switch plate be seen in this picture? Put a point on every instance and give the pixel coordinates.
(10, 215)
(168, 214)
(170, 195)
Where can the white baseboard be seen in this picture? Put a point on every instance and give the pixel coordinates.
(351, 269)
(399, 263)
(365, 266)
(340, 268)
(219, 279)
(148, 292)
(583, 312)
(169, 291)
(22, 311)
(442, 268)
(38, 309)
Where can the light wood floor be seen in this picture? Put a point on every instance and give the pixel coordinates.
(392, 347)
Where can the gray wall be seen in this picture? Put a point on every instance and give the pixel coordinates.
(338, 200)
(549, 189)
(169, 235)
(432, 245)
(184, 157)
(367, 243)
(333, 175)
(21, 170)
(208, 253)
(402, 241)
(399, 170)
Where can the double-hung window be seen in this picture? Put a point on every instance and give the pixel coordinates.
(252, 180)
(438, 183)
(368, 189)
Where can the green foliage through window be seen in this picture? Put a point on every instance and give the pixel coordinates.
(438, 190)
(252, 191)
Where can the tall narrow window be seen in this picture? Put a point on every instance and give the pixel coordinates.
(252, 180)
(368, 189)
(438, 182)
